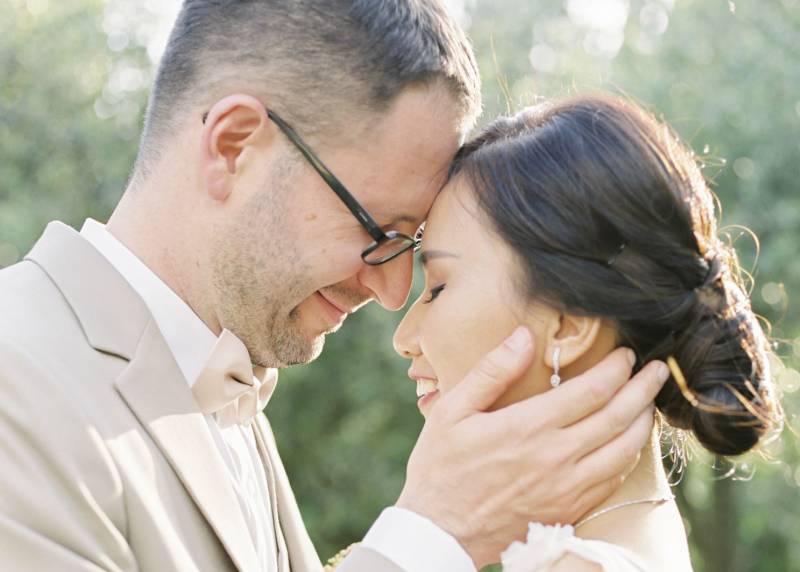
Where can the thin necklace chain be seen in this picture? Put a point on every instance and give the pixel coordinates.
(622, 505)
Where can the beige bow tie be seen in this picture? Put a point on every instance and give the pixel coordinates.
(230, 386)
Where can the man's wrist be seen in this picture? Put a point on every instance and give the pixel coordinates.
(415, 543)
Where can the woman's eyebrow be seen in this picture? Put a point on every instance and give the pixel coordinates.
(402, 218)
(395, 221)
(427, 255)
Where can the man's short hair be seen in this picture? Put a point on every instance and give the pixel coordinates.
(318, 62)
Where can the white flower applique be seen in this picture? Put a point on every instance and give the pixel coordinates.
(545, 545)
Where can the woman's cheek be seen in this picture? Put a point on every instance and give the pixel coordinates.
(454, 349)
(441, 344)
(476, 334)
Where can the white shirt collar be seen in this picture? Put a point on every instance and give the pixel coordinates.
(188, 337)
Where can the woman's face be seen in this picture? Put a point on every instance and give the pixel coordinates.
(470, 303)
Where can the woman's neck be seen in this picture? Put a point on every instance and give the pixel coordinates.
(647, 481)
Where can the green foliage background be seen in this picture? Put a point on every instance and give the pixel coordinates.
(73, 83)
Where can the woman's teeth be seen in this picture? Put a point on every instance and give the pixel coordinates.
(426, 386)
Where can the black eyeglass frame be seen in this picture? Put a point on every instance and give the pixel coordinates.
(379, 236)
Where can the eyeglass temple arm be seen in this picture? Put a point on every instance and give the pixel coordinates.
(375, 231)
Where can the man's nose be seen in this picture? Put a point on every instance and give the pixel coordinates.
(389, 282)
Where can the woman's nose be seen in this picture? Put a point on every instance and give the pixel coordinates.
(406, 336)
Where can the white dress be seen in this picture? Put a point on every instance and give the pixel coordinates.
(546, 544)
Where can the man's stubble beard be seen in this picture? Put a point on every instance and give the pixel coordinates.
(257, 276)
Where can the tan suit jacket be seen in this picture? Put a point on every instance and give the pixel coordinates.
(106, 463)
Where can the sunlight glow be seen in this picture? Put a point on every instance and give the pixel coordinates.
(605, 21)
(605, 15)
(147, 22)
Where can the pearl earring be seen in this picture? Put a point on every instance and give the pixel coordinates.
(555, 380)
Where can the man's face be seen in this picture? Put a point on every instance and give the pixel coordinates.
(287, 268)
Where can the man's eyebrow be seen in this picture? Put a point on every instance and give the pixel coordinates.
(427, 255)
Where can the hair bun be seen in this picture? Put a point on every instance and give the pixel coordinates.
(711, 294)
(722, 357)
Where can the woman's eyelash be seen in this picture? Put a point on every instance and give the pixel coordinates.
(434, 293)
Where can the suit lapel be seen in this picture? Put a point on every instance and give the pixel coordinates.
(110, 312)
(154, 389)
(116, 321)
(283, 559)
(289, 524)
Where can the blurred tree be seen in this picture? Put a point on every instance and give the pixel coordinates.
(69, 118)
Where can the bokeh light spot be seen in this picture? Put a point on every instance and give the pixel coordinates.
(789, 380)
(654, 19)
(543, 58)
(598, 14)
(118, 40)
(744, 167)
(773, 294)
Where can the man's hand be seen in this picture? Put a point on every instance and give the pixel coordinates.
(483, 476)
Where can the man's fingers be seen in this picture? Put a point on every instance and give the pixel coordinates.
(586, 393)
(492, 375)
(618, 457)
(629, 402)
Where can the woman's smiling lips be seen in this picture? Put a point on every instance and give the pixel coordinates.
(427, 388)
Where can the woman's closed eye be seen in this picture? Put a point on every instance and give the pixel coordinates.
(434, 293)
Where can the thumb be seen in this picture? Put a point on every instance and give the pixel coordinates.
(492, 375)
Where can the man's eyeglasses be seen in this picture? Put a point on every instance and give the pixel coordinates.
(386, 245)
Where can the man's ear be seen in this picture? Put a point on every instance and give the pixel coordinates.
(232, 125)
(575, 335)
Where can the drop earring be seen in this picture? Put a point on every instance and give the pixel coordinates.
(555, 380)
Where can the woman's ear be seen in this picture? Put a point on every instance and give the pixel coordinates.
(574, 335)
(231, 126)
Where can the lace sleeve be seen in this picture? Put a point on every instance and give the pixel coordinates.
(545, 545)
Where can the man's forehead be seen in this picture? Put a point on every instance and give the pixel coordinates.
(408, 205)
(410, 157)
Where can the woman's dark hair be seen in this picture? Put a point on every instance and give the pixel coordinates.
(611, 217)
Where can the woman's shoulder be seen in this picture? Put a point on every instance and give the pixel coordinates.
(655, 534)
(640, 538)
